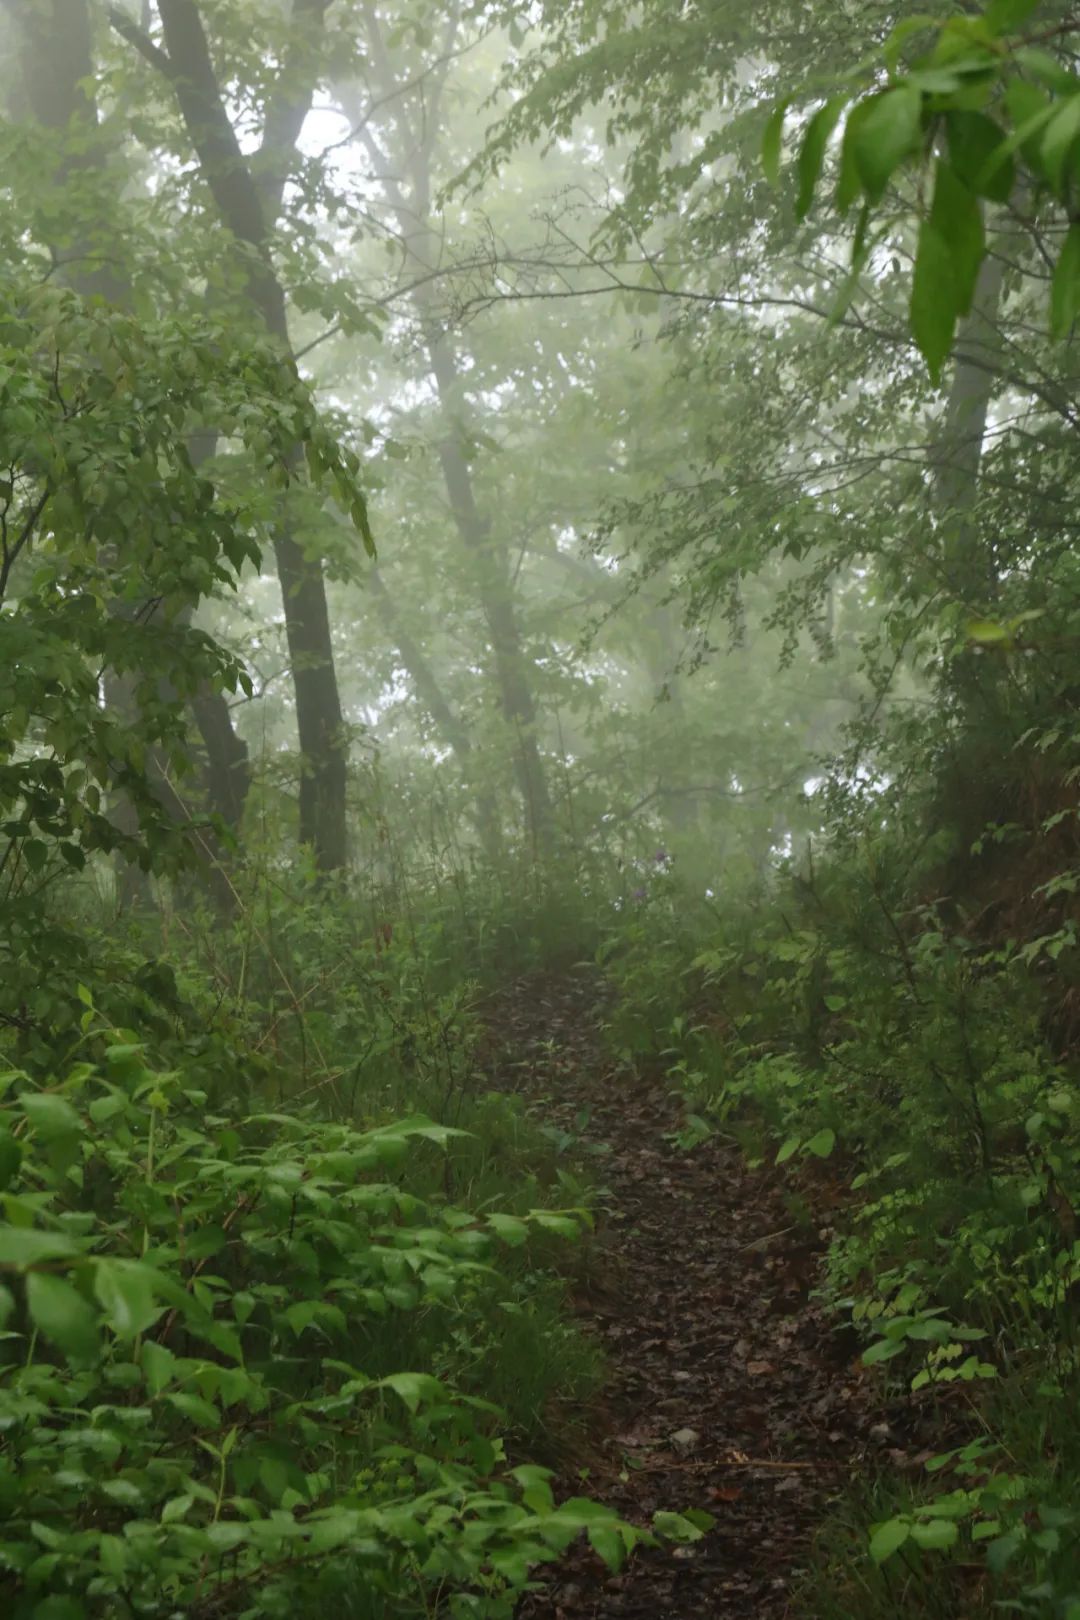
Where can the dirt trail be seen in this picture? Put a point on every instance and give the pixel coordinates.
(728, 1390)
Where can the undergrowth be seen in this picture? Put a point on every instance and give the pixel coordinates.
(283, 1273)
(866, 1024)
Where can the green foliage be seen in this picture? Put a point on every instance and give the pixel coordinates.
(202, 1397)
(983, 96)
(708, 644)
(905, 1061)
(111, 537)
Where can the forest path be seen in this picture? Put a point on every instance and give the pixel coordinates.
(727, 1389)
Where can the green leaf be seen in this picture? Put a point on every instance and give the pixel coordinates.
(882, 1350)
(849, 182)
(413, 1388)
(51, 1116)
(1030, 109)
(893, 48)
(956, 216)
(822, 1144)
(974, 141)
(359, 513)
(859, 254)
(35, 852)
(1047, 69)
(510, 1228)
(60, 1312)
(125, 1290)
(1001, 1551)
(102, 1109)
(567, 1226)
(987, 631)
(700, 1519)
(889, 131)
(608, 1544)
(931, 1330)
(676, 1527)
(176, 1508)
(1005, 16)
(812, 151)
(535, 1483)
(772, 139)
(1058, 141)
(59, 1607)
(1065, 286)
(787, 1149)
(934, 1535)
(934, 308)
(888, 1538)
(158, 1366)
(204, 1414)
(26, 1246)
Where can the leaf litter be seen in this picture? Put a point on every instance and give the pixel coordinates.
(728, 1388)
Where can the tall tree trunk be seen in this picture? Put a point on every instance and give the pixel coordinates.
(449, 724)
(55, 89)
(247, 195)
(487, 553)
(496, 599)
(679, 805)
(969, 568)
(968, 565)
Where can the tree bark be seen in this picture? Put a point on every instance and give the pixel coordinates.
(956, 458)
(244, 210)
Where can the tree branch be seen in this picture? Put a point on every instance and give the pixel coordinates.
(137, 36)
(290, 104)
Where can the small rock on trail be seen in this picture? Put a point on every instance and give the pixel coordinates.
(726, 1390)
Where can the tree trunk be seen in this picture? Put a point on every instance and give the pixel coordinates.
(496, 600)
(55, 88)
(487, 554)
(679, 805)
(448, 723)
(969, 568)
(244, 203)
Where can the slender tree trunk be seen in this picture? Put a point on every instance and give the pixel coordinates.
(497, 601)
(449, 724)
(969, 566)
(679, 807)
(247, 202)
(967, 562)
(487, 555)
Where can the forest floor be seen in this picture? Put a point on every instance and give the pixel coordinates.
(727, 1388)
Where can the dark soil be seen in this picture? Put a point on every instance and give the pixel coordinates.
(728, 1387)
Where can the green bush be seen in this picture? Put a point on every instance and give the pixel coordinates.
(215, 1391)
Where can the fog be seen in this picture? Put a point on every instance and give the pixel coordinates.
(537, 648)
